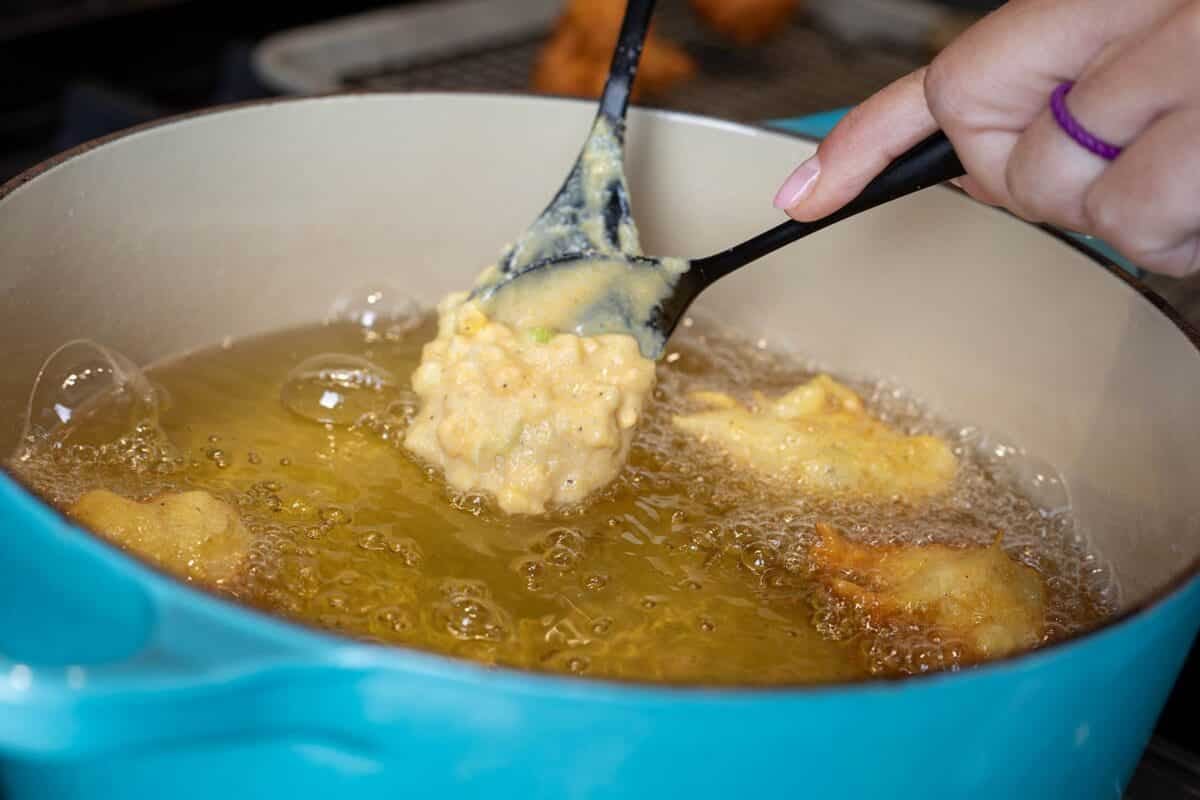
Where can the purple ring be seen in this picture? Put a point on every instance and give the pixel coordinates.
(1062, 115)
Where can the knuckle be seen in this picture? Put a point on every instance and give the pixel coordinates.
(1024, 187)
(1180, 261)
(947, 94)
(854, 118)
(1105, 217)
(1111, 217)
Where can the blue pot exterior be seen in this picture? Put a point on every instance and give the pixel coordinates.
(216, 699)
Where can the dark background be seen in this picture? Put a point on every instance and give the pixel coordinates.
(71, 71)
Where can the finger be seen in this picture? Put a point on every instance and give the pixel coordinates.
(972, 187)
(865, 141)
(1048, 173)
(1119, 97)
(985, 89)
(1147, 203)
(992, 83)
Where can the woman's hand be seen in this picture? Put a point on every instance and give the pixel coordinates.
(1136, 64)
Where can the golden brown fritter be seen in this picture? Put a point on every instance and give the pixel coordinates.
(977, 595)
(746, 21)
(576, 58)
(819, 438)
(190, 533)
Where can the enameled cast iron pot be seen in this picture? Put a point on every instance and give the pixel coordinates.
(118, 682)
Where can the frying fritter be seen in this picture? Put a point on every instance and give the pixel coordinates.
(532, 422)
(819, 438)
(746, 21)
(977, 595)
(190, 533)
(576, 59)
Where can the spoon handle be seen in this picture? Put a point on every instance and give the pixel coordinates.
(930, 162)
(615, 99)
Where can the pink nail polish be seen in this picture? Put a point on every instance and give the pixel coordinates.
(799, 184)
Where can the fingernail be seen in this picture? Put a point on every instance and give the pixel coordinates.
(799, 184)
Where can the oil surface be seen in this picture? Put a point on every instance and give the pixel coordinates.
(684, 570)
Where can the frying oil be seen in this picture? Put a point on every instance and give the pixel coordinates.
(686, 569)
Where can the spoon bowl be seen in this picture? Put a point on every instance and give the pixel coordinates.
(590, 216)
(594, 294)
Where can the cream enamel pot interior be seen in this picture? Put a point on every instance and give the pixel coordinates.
(251, 219)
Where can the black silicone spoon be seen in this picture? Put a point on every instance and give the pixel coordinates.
(579, 267)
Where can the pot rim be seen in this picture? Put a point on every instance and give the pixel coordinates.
(1166, 591)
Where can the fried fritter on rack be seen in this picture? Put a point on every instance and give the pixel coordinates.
(190, 533)
(977, 595)
(819, 438)
(575, 60)
(746, 22)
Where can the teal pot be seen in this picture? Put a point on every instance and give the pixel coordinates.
(116, 681)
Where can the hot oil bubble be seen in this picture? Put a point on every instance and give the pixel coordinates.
(394, 619)
(1031, 476)
(407, 550)
(382, 312)
(468, 612)
(336, 389)
(1041, 483)
(81, 379)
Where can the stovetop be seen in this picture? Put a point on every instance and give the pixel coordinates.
(116, 63)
